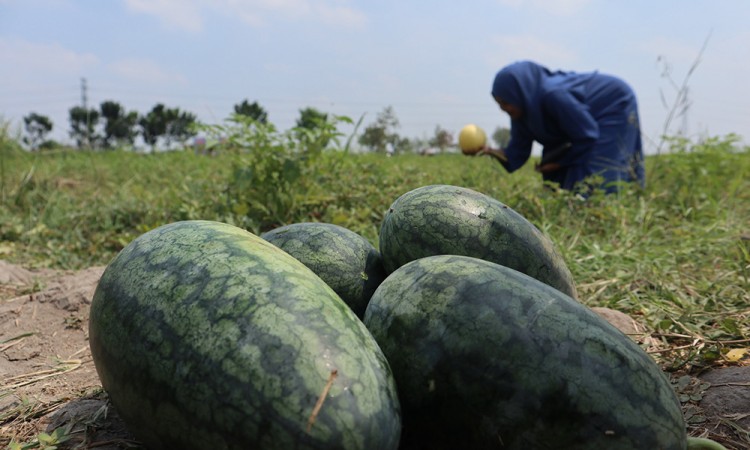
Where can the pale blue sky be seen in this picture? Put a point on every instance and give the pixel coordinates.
(433, 61)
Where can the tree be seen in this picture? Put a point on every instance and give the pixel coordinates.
(37, 127)
(404, 145)
(313, 128)
(154, 125)
(180, 126)
(501, 136)
(381, 133)
(442, 138)
(311, 118)
(171, 124)
(253, 110)
(119, 126)
(82, 125)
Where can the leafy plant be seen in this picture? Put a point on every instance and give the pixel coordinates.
(45, 441)
(274, 174)
(674, 255)
(37, 127)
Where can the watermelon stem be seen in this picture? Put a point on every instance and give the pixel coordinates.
(695, 443)
(321, 399)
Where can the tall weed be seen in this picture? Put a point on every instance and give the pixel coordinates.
(274, 174)
(675, 255)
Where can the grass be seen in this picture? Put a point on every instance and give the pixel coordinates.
(675, 255)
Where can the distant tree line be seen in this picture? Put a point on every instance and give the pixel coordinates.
(381, 136)
(112, 126)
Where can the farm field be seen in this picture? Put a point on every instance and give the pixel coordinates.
(675, 256)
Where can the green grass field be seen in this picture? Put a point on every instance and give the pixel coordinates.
(676, 256)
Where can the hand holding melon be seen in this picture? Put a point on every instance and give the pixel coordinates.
(471, 139)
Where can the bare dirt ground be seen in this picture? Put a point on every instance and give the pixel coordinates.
(47, 377)
(48, 380)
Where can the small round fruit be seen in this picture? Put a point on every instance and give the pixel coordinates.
(471, 139)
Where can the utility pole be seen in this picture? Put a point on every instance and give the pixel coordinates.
(84, 104)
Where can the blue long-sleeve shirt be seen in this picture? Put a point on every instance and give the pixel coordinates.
(595, 113)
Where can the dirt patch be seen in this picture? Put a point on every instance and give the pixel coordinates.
(48, 382)
(725, 403)
(48, 377)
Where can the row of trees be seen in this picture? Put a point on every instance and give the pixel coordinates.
(381, 136)
(112, 126)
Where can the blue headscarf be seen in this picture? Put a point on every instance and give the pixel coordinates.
(524, 84)
(520, 84)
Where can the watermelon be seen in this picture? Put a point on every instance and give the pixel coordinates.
(346, 261)
(486, 357)
(451, 220)
(206, 336)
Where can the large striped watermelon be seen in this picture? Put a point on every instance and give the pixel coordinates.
(486, 357)
(346, 261)
(207, 337)
(452, 220)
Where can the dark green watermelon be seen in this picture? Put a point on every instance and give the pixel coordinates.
(346, 261)
(207, 337)
(451, 220)
(486, 357)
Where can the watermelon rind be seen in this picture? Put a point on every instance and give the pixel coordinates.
(206, 336)
(486, 357)
(452, 220)
(342, 258)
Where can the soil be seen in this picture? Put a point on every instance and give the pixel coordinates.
(48, 380)
(47, 377)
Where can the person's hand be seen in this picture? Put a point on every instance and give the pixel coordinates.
(472, 152)
(496, 153)
(546, 168)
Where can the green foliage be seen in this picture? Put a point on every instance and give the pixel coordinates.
(80, 208)
(442, 138)
(37, 127)
(9, 149)
(274, 174)
(83, 125)
(119, 125)
(180, 127)
(252, 110)
(676, 254)
(311, 118)
(45, 441)
(170, 124)
(378, 135)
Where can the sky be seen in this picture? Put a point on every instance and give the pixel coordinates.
(433, 61)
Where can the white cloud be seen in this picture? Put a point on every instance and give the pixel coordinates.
(521, 47)
(340, 15)
(257, 12)
(145, 70)
(556, 7)
(29, 58)
(188, 15)
(178, 14)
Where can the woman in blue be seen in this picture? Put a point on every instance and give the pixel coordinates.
(587, 124)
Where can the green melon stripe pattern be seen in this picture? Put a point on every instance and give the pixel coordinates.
(206, 336)
(453, 220)
(346, 261)
(475, 345)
